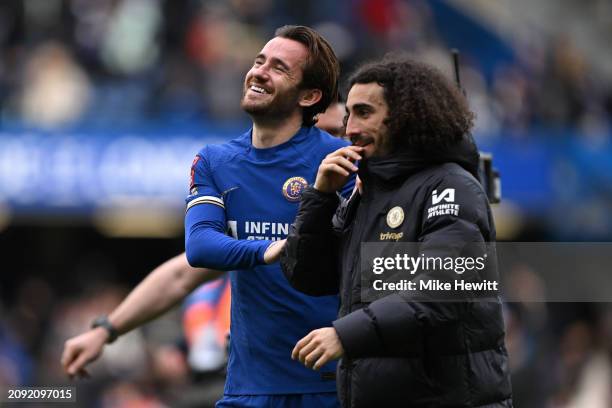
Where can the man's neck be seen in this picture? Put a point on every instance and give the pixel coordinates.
(268, 134)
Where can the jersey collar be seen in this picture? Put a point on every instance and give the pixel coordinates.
(272, 152)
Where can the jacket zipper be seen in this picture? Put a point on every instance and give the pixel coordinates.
(347, 387)
(349, 363)
(356, 266)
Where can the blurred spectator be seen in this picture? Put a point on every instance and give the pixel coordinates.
(206, 323)
(511, 96)
(221, 46)
(332, 120)
(130, 47)
(16, 364)
(56, 91)
(127, 395)
(562, 92)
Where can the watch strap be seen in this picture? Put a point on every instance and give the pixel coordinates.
(102, 321)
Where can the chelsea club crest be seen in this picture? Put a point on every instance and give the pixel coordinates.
(395, 217)
(293, 187)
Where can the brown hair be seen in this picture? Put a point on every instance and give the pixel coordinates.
(426, 110)
(321, 70)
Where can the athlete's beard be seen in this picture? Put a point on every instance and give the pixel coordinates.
(360, 138)
(382, 145)
(280, 107)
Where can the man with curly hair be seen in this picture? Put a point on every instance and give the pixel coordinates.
(418, 167)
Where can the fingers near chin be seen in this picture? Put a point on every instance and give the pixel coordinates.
(335, 168)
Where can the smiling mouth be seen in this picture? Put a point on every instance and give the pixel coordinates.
(258, 89)
(362, 141)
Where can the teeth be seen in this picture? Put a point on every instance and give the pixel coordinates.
(258, 89)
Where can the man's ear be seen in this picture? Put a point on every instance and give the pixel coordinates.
(309, 97)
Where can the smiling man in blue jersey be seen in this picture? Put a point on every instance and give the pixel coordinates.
(251, 187)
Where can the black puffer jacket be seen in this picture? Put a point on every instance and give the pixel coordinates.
(400, 352)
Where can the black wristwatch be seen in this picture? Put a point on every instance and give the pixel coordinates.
(102, 321)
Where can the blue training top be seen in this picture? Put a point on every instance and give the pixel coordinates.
(256, 193)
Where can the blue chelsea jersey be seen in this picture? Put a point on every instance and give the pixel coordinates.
(256, 193)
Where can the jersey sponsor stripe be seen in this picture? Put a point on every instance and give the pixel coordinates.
(206, 200)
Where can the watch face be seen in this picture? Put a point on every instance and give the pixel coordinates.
(98, 322)
(102, 321)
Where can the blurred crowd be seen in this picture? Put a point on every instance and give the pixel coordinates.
(148, 367)
(560, 353)
(113, 62)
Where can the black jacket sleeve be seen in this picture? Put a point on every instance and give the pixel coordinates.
(395, 324)
(309, 259)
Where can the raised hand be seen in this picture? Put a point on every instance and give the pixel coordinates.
(336, 168)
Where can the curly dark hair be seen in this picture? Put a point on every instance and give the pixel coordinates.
(426, 110)
(321, 70)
